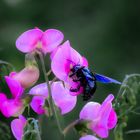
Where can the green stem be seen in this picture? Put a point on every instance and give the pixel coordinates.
(50, 101)
(70, 126)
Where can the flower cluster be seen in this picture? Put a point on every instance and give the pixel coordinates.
(73, 78)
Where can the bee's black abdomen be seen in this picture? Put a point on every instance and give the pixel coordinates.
(89, 92)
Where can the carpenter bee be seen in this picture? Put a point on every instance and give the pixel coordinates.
(87, 80)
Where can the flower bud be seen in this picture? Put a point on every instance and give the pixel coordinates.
(27, 77)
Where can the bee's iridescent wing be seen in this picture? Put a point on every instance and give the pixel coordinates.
(105, 79)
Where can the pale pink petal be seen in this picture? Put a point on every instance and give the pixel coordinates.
(12, 74)
(90, 111)
(14, 86)
(37, 104)
(112, 120)
(62, 98)
(108, 99)
(64, 59)
(12, 107)
(39, 90)
(60, 60)
(28, 40)
(54, 52)
(88, 137)
(51, 39)
(17, 127)
(27, 77)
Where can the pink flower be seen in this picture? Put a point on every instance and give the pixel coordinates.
(37, 104)
(61, 97)
(37, 39)
(17, 126)
(88, 137)
(26, 77)
(15, 105)
(102, 117)
(11, 107)
(14, 86)
(63, 60)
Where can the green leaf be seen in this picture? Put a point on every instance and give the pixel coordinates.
(4, 131)
(125, 102)
(32, 130)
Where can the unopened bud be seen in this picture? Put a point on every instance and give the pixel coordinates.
(27, 77)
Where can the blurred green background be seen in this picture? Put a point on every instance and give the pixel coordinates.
(106, 32)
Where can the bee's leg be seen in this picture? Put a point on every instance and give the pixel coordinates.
(75, 89)
(71, 75)
(82, 67)
(78, 79)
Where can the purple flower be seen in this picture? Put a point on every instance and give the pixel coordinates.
(17, 127)
(88, 137)
(63, 60)
(102, 117)
(37, 39)
(38, 104)
(15, 105)
(61, 97)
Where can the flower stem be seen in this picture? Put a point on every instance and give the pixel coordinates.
(70, 126)
(50, 101)
(47, 82)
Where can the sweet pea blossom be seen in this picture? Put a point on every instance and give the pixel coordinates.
(102, 117)
(17, 127)
(69, 66)
(88, 137)
(15, 105)
(37, 39)
(61, 97)
(63, 60)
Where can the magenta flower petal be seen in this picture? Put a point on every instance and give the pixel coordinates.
(51, 39)
(17, 127)
(112, 120)
(85, 62)
(12, 107)
(88, 137)
(62, 98)
(14, 86)
(37, 104)
(28, 40)
(64, 59)
(39, 90)
(101, 127)
(90, 111)
(3, 98)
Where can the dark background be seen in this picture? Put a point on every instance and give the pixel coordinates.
(106, 32)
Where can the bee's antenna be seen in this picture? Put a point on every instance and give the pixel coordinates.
(71, 61)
